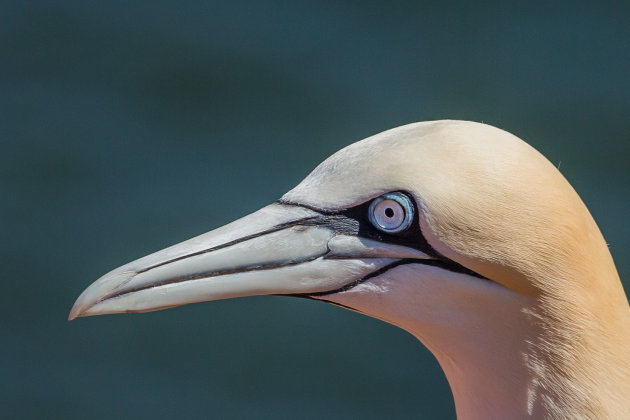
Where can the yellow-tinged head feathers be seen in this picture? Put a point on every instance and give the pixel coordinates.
(488, 201)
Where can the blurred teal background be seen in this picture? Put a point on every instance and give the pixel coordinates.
(127, 126)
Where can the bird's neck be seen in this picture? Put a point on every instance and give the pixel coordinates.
(499, 373)
(526, 363)
(507, 355)
(478, 330)
(486, 357)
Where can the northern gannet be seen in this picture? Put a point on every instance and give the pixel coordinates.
(458, 232)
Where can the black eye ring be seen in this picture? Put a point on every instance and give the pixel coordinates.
(391, 212)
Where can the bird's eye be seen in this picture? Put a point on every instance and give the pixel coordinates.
(391, 212)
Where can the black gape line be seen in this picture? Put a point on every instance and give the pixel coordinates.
(352, 221)
(355, 221)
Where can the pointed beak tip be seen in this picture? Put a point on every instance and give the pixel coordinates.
(75, 312)
(81, 308)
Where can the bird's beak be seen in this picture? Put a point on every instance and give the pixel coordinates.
(280, 249)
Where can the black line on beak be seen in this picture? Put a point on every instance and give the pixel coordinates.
(443, 264)
(299, 222)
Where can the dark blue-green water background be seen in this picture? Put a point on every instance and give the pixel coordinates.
(126, 127)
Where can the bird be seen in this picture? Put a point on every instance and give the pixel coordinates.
(456, 231)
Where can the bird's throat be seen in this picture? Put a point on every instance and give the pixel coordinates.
(496, 353)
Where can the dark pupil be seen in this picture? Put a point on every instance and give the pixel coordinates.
(389, 212)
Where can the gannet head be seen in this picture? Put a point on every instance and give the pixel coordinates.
(456, 231)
